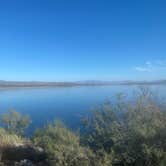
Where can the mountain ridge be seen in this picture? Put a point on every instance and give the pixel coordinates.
(4, 83)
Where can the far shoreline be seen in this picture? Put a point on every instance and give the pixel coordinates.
(17, 85)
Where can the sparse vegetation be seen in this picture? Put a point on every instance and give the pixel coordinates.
(136, 137)
(122, 134)
(14, 122)
(62, 146)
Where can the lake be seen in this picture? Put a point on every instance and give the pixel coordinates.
(68, 104)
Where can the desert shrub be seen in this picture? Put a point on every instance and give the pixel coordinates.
(14, 122)
(61, 145)
(137, 137)
(7, 139)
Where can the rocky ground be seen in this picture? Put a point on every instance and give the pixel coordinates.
(22, 156)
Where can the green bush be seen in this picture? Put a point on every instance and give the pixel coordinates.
(14, 122)
(62, 146)
(136, 137)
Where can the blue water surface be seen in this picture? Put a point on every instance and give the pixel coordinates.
(68, 104)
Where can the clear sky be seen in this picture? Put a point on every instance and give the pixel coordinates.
(66, 40)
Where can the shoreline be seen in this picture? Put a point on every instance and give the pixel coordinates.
(78, 85)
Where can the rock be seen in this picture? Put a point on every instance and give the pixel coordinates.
(23, 153)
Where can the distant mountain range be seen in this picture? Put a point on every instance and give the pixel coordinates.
(76, 83)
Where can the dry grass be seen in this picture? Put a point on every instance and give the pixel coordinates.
(9, 140)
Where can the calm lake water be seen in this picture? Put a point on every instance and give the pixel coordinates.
(68, 104)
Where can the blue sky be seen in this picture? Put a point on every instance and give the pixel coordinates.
(62, 40)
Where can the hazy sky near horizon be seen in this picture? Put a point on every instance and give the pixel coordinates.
(66, 40)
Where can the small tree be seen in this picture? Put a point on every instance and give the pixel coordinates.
(14, 122)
